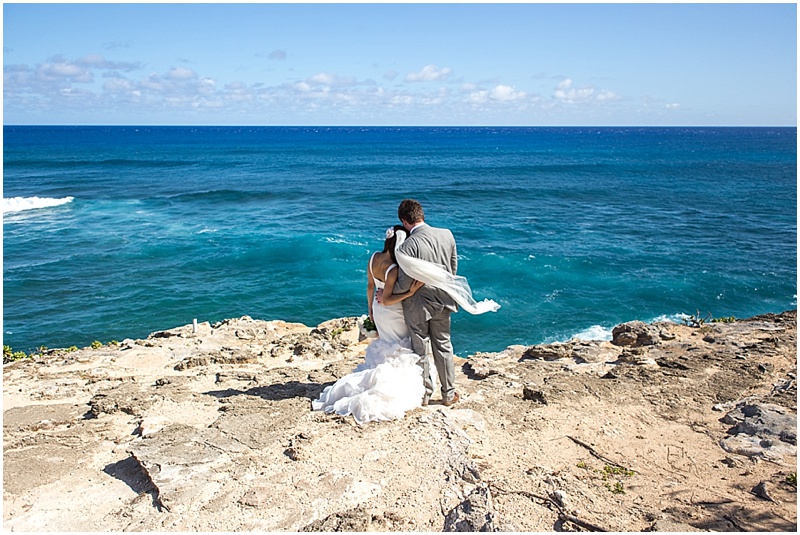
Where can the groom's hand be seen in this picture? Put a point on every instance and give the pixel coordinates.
(380, 296)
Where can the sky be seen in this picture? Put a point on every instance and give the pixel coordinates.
(465, 64)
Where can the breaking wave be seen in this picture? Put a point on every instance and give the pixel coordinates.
(19, 204)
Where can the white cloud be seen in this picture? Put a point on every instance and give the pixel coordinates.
(429, 73)
(500, 93)
(607, 95)
(390, 75)
(401, 100)
(206, 85)
(152, 83)
(97, 61)
(567, 93)
(506, 93)
(673, 106)
(238, 91)
(62, 70)
(323, 78)
(180, 73)
(118, 85)
(327, 79)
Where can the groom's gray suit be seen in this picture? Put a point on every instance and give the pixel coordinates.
(427, 312)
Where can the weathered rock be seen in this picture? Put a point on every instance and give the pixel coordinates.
(353, 520)
(762, 491)
(535, 395)
(182, 464)
(763, 420)
(635, 334)
(474, 514)
(226, 355)
(481, 368)
(594, 352)
(36, 417)
(549, 351)
(232, 444)
(128, 397)
(668, 525)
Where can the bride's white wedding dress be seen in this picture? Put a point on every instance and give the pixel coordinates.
(389, 382)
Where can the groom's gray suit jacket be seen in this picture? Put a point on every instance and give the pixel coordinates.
(435, 245)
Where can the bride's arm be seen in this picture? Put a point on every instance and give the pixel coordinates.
(370, 289)
(390, 298)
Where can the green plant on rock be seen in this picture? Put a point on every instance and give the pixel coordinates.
(696, 320)
(791, 479)
(96, 345)
(616, 488)
(728, 319)
(337, 332)
(609, 470)
(9, 355)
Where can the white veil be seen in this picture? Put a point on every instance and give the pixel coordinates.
(437, 276)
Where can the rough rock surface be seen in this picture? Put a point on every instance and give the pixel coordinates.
(666, 428)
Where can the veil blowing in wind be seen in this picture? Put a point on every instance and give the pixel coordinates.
(439, 277)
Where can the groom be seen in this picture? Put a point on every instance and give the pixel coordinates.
(428, 311)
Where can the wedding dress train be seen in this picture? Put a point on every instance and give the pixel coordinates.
(389, 382)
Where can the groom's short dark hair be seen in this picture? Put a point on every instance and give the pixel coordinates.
(411, 211)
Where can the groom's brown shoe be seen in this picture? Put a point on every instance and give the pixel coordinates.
(452, 400)
(425, 401)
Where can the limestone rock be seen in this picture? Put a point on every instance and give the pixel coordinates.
(763, 420)
(635, 334)
(549, 351)
(127, 397)
(121, 440)
(534, 394)
(761, 430)
(473, 514)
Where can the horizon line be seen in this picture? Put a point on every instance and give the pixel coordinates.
(395, 126)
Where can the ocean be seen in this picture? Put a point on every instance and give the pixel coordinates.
(115, 232)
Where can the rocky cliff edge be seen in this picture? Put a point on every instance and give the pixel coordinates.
(666, 428)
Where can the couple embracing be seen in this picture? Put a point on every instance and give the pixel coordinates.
(412, 289)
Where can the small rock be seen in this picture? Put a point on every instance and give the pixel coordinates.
(560, 497)
(762, 492)
(537, 396)
(635, 334)
(475, 513)
(548, 352)
(296, 453)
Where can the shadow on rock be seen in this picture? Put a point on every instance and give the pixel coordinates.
(274, 392)
(131, 472)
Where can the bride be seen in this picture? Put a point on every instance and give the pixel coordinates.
(389, 382)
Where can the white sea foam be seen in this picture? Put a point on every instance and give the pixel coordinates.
(339, 239)
(674, 318)
(19, 204)
(595, 332)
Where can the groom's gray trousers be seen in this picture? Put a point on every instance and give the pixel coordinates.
(428, 319)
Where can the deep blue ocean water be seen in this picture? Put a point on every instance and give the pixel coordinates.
(571, 230)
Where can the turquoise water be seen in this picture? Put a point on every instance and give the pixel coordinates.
(571, 230)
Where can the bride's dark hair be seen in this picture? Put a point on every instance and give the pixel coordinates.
(389, 243)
